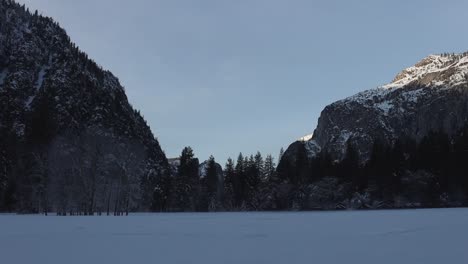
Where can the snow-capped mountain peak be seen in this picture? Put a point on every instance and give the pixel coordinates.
(434, 70)
(429, 96)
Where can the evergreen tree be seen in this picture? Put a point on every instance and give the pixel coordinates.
(253, 178)
(188, 166)
(211, 184)
(259, 165)
(229, 182)
(186, 187)
(240, 182)
(269, 171)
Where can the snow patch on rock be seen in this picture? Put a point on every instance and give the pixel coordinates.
(385, 106)
(312, 148)
(39, 82)
(306, 137)
(40, 79)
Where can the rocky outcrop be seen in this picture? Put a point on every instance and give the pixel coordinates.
(430, 96)
(219, 170)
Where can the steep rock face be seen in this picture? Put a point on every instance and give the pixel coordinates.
(430, 96)
(49, 88)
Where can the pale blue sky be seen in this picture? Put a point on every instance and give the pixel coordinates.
(228, 76)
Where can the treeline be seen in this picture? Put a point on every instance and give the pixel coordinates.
(247, 182)
(406, 173)
(95, 174)
(207, 188)
(188, 189)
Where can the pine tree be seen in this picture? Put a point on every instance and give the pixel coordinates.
(186, 185)
(259, 164)
(253, 177)
(240, 181)
(229, 182)
(269, 171)
(211, 181)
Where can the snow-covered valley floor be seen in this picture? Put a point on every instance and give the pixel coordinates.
(405, 236)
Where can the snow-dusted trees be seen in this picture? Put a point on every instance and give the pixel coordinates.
(125, 169)
(74, 164)
(93, 172)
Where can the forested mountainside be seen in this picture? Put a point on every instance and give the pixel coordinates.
(400, 145)
(69, 139)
